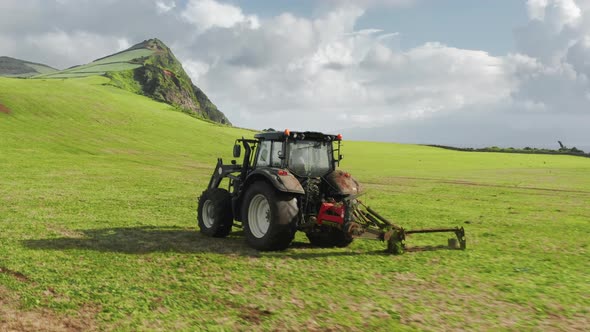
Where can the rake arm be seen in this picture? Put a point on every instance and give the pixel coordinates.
(367, 223)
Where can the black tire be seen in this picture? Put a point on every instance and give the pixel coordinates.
(273, 217)
(215, 213)
(329, 238)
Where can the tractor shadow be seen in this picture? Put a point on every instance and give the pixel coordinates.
(307, 251)
(151, 239)
(145, 240)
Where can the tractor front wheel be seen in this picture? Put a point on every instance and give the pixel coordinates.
(215, 213)
(269, 217)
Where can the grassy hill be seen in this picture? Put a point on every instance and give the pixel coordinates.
(98, 192)
(11, 67)
(117, 62)
(151, 69)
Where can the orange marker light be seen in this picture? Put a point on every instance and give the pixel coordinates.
(339, 137)
(287, 132)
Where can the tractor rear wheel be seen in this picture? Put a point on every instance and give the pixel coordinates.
(215, 213)
(269, 217)
(329, 238)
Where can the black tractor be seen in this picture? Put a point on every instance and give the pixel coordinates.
(289, 182)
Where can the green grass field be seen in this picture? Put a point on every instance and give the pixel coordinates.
(98, 191)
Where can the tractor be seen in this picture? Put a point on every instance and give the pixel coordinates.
(287, 182)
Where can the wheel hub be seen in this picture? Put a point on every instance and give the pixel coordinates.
(259, 216)
(208, 214)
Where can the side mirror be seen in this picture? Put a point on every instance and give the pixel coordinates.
(237, 151)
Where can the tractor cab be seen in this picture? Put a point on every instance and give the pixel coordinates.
(305, 154)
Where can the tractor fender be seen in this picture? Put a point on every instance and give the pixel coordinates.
(344, 183)
(284, 181)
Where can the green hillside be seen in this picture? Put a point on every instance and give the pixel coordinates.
(125, 60)
(11, 67)
(98, 191)
(151, 69)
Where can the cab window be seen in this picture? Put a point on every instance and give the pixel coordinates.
(263, 154)
(277, 149)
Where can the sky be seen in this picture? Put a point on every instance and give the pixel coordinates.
(457, 72)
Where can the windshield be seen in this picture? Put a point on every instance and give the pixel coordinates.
(309, 158)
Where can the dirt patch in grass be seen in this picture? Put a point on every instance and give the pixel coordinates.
(12, 318)
(19, 276)
(249, 313)
(4, 109)
(254, 315)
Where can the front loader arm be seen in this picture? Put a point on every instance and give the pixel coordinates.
(222, 171)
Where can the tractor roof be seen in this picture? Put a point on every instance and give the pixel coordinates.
(299, 135)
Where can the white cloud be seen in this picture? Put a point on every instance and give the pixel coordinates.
(557, 12)
(195, 69)
(292, 66)
(207, 14)
(554, 26)
(165, 6)
(536, 9)
(123, 44)
(553, 70)
(76, 47)
(373, 3)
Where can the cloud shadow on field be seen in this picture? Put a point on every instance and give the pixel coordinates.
(145, 240)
